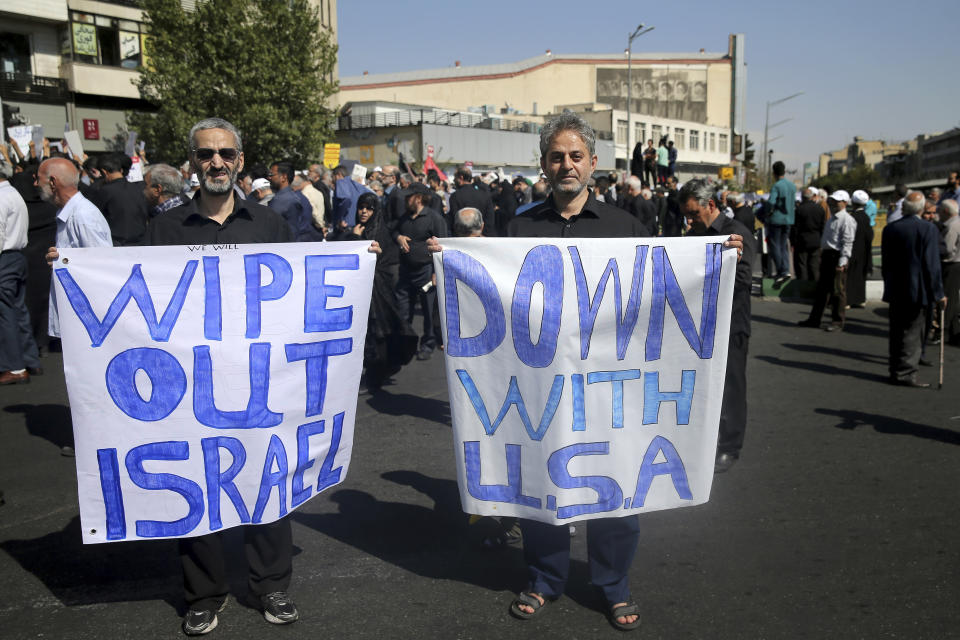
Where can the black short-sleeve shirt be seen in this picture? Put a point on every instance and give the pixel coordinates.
(596, 220)
(250, 223)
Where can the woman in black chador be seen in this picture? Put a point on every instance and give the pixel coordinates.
(391, 342)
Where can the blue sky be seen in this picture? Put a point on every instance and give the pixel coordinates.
(878, 69)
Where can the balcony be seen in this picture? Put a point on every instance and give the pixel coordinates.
(30, 88)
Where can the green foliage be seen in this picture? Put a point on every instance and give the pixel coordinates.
(859, 177)
(263, 65)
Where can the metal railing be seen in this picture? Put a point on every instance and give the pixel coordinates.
(26, 86)
(412, 117)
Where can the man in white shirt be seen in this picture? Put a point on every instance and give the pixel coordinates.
(18, 349)
(836, 247)
(79, 222)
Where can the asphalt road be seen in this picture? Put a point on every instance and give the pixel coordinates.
(841, 520)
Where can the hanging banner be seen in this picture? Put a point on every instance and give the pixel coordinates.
(585, 375)
(210, 385)
(84, 39)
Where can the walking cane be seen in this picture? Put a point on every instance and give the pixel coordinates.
(942, 332)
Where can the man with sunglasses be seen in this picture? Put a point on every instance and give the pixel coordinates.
(216, 215)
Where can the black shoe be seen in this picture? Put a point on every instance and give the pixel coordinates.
(198, 622)
(724, 462)
(424, 354)
(925, 363)
(35, 371)
(278, 608)
(909, 382)
(809, 323)
(67, 451)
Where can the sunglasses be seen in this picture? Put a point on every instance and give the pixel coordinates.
(229, 154)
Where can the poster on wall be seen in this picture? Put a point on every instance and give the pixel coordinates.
(84, 39)
(678, 94)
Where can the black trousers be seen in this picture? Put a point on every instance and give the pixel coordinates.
(18, 349)
(269, 552)
(409, 292)
(611, 545)
(733, 409)
(806, 263)
(832, 288)
(906, 339)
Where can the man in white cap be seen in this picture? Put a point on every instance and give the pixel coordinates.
(861, 257)
(261, 191)
(836, 246)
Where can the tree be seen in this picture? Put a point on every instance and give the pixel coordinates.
(263, 65)
(859, 177)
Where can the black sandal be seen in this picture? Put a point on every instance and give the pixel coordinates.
(629, 609)
(529, 599)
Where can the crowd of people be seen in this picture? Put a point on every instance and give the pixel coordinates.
(215, 197)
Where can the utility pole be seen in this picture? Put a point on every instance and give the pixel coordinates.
(766, 130)
(639, 31)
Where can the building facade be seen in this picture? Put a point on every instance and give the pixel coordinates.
(73, 64)
(693, 99)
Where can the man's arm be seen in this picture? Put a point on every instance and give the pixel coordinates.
(847, 234)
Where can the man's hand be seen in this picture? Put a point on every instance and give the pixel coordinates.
(843, 268)
(358, 230)
(52, 256)
(942, 302)
(404, 242)
(374, 248)
(735, 241)
(433, 245)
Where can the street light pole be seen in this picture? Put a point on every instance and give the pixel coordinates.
(639, 31)
(767, 127)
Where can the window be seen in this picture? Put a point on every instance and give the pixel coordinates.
(679, 138)
(694, 140)
(723, 143)
(622, 131)
(639, 131)
(656, 134)
(107, 41)
(713, 142)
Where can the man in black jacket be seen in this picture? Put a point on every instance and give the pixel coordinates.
(416, 282)
(470, 195)
(911, 281)
(698, 202)
(121, 202)
(809, 220)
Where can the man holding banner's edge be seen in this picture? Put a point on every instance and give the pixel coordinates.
(217, 216)
(698, 202)
(568, 161)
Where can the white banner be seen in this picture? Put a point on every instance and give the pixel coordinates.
(210, 385)
(585, 376)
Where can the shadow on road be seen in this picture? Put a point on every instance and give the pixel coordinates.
(890, 425)
(769, 320)
(405, 404)
(78, 574)
(430, 542)
(833, 351)
(436, 543)
(51, 422)
(823, 368)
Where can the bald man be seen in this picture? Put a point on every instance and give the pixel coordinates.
(79, 222)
